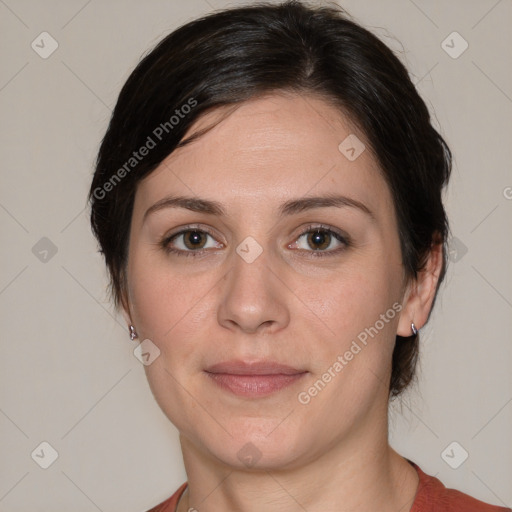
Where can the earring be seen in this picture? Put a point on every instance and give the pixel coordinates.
(414, 330)
(133, 334)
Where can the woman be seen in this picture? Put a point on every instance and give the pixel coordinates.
(268, 201)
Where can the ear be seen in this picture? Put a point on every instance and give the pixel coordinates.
(420, 293)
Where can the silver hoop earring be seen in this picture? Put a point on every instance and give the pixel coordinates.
(414, 330)
(133, 334)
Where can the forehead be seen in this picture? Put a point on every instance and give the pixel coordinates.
(270, 149)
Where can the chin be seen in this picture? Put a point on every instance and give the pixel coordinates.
(254, 444)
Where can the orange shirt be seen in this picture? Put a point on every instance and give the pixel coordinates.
(431, 496)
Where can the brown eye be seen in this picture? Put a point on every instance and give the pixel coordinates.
(322, 239)
(194, 239)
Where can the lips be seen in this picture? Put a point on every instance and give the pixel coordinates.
(236, 367)
(253, 379)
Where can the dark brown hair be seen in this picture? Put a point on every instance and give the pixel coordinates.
(235, 55)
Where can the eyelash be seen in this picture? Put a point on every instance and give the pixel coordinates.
(311, 228)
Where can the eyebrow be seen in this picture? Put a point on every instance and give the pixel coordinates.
(290, 207)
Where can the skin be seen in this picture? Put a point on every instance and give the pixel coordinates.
(331, 454)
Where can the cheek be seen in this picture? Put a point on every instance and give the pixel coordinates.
(352, 299)
(361, 311)
(164, 301)
(170, 309)
(354, 361)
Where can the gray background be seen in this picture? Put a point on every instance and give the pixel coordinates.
(68, 372)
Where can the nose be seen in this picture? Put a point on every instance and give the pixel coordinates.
(253, 300)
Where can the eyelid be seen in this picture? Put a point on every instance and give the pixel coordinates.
(323, 227)
(186, 229)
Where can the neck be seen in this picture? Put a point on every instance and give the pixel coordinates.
(357, 474)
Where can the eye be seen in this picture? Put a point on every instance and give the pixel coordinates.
(321, 241)
(317, 240)
(190, 242)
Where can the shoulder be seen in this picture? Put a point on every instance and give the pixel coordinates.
(169, 505)
(433, 496)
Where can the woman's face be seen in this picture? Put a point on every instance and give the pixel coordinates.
(250, 279)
